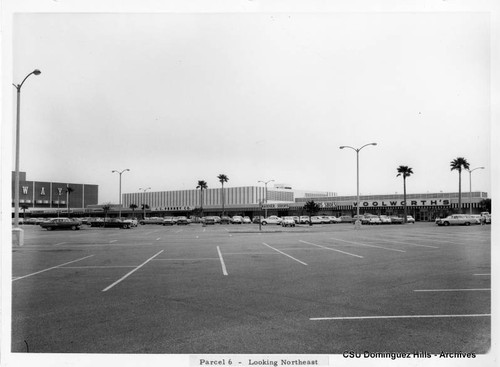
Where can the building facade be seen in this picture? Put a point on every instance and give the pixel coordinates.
(52, 196)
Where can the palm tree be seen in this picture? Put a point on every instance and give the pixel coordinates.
(404, 171)
(459, 164)
(105, 208)
(133, 207)
(144, 207)
(311, 208)
(222, 178)
(69, 190)
(24, 207)
(201, 185)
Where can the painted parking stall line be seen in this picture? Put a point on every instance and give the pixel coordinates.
(223, 265)
(54, 267)
(131, 272)
(406, 243)
(281, 252)
(453, 290)
(364, 244)
(332, 249)
(395, 317)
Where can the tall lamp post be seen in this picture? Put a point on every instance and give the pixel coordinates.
(470, 185)
(143, 203)
(18, 231)
(265, 185)
(120, 190)
(358, 222)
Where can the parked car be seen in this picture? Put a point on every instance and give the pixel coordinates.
(457, 219)
(325, 220)
(304, 219)
(273, 219)
(216, 218)
(61, 223)
(225, 220)
(346, 219)
(486, 217)
(168, 221)
(396, 220)
(373, 219)
(110, 223)
(334, 219)
(384, 219)
(151, 220)
(362, 219)
(182, 221)
(236, 219)
(317, 219)
(247, 220)
(133, 221)
(296, 219)
(256, 219)
(410, 219)
(288, 222)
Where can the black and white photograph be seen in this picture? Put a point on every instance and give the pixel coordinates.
(249, 183)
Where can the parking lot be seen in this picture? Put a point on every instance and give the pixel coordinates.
(323, 289)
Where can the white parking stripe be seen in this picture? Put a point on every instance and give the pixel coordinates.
(328, 248)
(406, 243)
(224, 270)
(483, 274)
(60, 243)
(159, 238)
(54, 267)
(395, 317)
(281, 252)
(364, 244)
(452, 290)
(130, 273)
(112, 241)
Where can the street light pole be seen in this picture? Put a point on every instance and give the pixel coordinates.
(470, 186)
(358, 222)
(18, 231)
(143, 204)
(120, 191)
(265, 185)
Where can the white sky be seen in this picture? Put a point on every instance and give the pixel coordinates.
(178, 98)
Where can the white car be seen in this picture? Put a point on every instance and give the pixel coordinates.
(273, 219)
(288, 222)
(133, 221)
(247, 220)
(457, 219)
(317, 220)
(410, 219)
(334, 219)
(304, 219)
(236, 219)
(373, 219)
(385, 219)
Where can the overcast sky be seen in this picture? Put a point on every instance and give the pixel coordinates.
(178, 98)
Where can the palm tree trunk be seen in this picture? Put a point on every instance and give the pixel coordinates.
(405, 219)
(460, 191)
(222, 198)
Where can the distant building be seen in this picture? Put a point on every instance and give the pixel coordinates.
(50, 196)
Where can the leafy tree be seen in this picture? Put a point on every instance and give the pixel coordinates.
(459, 164)
(311, 208)
(202, 185)
(69, 190)
(222, 179)
(404, 171)
(485, 205)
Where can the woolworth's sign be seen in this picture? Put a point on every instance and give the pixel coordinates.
(388, 203)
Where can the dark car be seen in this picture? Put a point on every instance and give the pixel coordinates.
(168, 221)
(209, 220)
(225, 220)
(396, 220)
(182, 221)
(111, 223)
(61, 223)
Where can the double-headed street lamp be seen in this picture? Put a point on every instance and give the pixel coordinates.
(470, 185)
(265, 185)
(358, 222)
(18, 132)
(120, 198)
